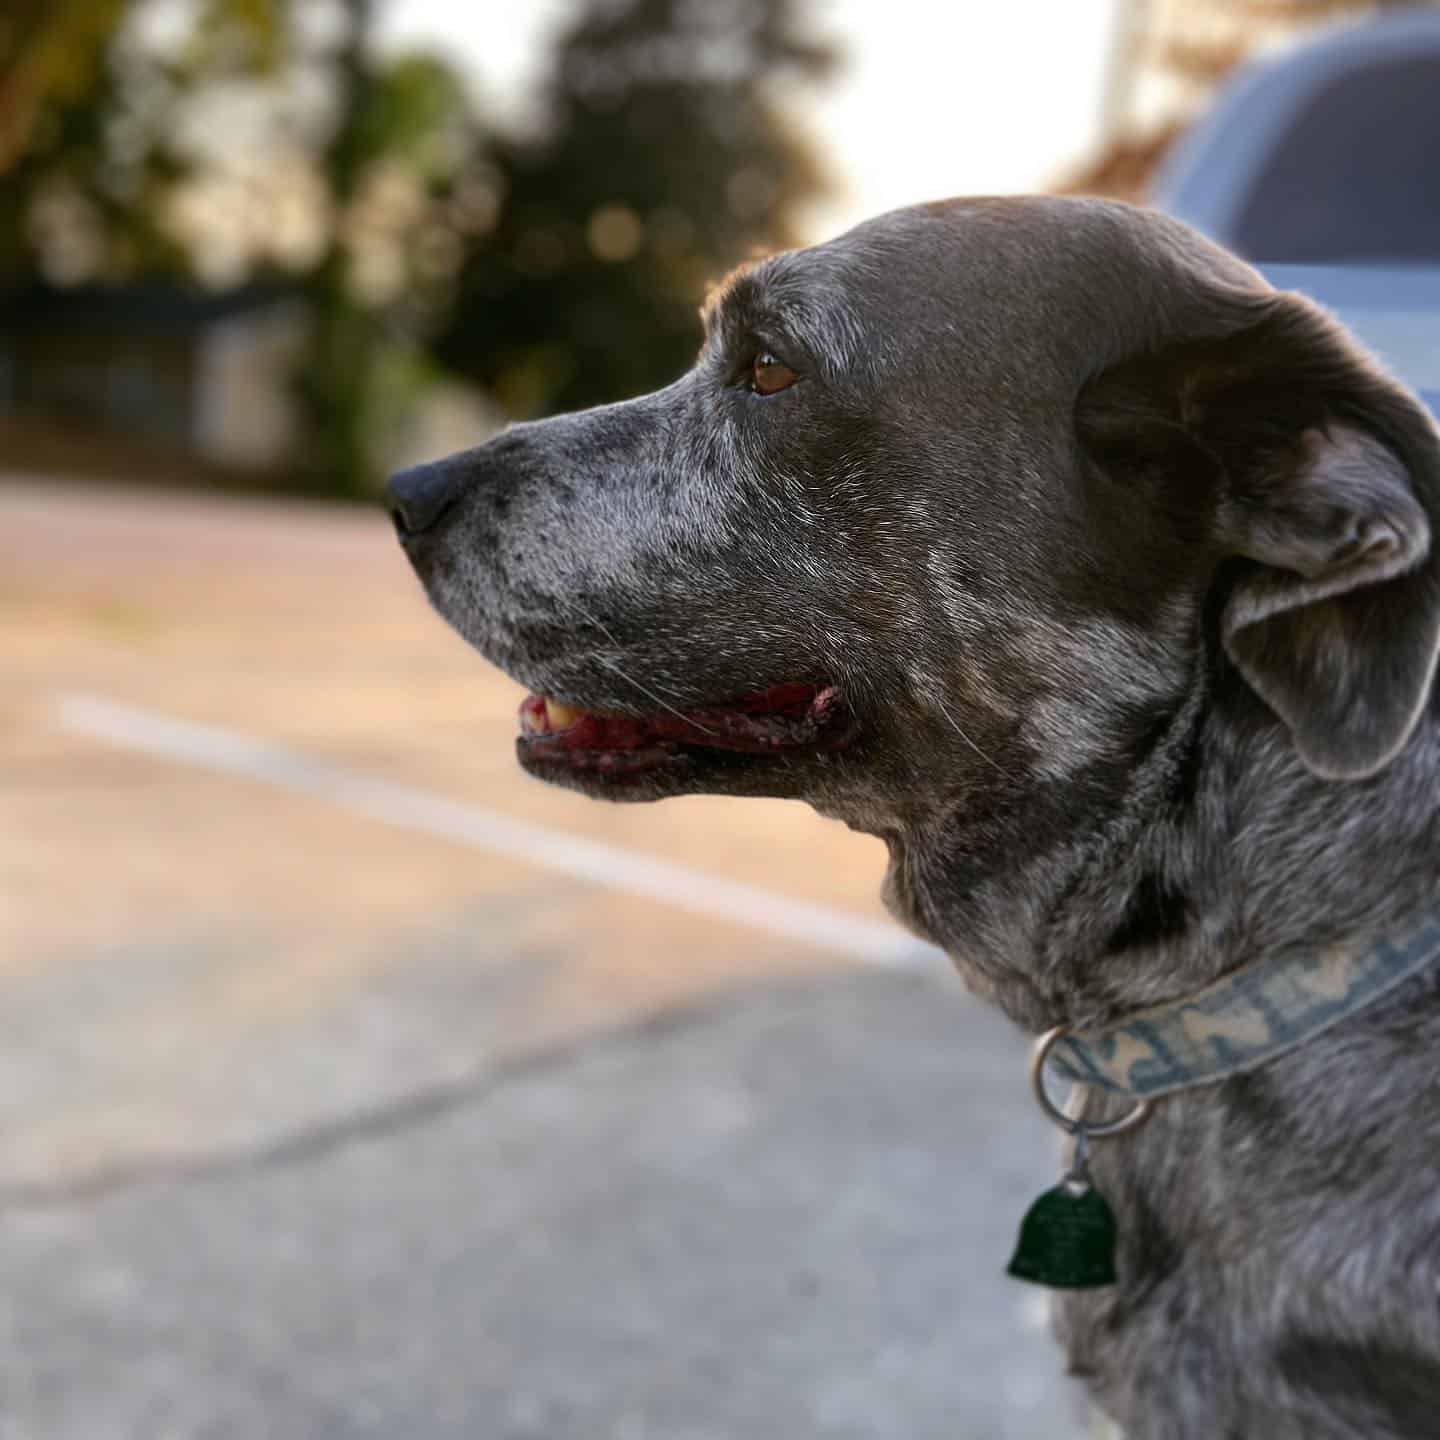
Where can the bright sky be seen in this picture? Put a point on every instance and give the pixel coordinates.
(938, 97)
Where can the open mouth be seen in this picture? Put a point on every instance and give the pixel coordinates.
(780, 720)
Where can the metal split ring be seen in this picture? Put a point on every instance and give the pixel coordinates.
(1070, 1126)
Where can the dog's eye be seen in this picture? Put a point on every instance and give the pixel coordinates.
(769, 375)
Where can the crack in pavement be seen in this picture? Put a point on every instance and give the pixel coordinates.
(380, 1122)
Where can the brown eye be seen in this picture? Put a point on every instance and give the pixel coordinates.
(769, 375)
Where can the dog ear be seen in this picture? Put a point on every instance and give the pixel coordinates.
(1330, 624)
(1320, 480)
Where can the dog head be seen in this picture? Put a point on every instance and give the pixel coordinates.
(956, 521)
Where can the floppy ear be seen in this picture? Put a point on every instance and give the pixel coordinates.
(1322, 484)
(1331, 626)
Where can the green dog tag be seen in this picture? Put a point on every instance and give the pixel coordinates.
(1067, 1238)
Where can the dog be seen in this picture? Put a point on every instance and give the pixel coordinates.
(1043, 539)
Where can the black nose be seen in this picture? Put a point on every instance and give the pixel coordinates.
(419, 496)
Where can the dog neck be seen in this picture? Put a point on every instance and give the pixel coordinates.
(1212, 850)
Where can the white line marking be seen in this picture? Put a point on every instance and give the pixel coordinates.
(228, 752)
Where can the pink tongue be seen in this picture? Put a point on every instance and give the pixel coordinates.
(791, 714)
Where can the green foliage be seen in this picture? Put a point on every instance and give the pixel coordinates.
(558, 269)
(418, 113)
(665, 159)
(409, 123)
(88, 114)
(250, 37)
(50, 54)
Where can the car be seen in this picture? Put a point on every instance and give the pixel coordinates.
(1318, 166)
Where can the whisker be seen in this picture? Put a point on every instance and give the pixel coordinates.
(594, 620)
(650, 694)
(955, 724)
(614, 667)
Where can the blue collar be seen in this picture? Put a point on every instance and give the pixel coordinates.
(1243, 1019)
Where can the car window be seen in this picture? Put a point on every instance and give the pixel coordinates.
(1394, 311)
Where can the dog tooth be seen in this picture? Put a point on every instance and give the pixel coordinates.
(560, 716)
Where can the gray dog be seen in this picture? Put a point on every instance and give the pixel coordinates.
(1043, 539)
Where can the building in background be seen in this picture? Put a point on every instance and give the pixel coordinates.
(164, 364)
(154, 379)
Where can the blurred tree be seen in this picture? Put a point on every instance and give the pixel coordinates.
(399, 135)
(87, 153)
(335, 375)
(665, 157)
(229, 139)
(50, 52)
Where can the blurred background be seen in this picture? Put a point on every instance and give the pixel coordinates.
(354, 1084)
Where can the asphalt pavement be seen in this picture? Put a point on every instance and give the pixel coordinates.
(326, 1120)
(781, 1213)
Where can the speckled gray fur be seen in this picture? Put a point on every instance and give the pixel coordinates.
(1122, 563)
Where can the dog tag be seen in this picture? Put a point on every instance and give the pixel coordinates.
(1067, 1238)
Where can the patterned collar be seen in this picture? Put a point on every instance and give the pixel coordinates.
(1243, 1019)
